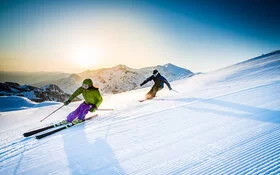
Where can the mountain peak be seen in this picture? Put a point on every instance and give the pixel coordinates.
(75, 77)
(169, 65)
(121, 67)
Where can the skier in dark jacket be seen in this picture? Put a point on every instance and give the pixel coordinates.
(159, 81)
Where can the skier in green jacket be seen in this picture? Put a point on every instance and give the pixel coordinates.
(92, 98)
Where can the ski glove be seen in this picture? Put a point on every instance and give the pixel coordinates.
(141, 84)
(92, 108)
(67, 102)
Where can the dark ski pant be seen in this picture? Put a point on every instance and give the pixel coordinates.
(152, 93)
(80, 112)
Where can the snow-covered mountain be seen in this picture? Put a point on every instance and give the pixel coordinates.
(223, 122)
(110, 81)
(121, 78)
(46, 93)
(69, 84)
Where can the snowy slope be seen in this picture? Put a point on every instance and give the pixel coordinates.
(223, 122)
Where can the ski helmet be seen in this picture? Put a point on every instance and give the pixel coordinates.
(155, 71)
(88, 83)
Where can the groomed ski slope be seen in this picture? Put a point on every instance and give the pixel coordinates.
(223, 122)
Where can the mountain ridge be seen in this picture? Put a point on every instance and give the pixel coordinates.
(49, 92)
(117, 79)
(122, 78)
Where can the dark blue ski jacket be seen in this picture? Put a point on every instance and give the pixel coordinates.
(159, 81)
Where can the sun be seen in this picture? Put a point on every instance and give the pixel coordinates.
(84, 56)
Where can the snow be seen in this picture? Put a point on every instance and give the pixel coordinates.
(29, 95)
(11, 103)
(223, 122)
(44, 88)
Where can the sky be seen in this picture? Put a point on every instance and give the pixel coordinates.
(72, 36)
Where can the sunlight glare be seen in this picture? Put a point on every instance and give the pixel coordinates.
(85, 56)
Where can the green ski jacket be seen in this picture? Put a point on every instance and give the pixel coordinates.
(91, 95)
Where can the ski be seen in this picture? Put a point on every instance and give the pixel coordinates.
(30, 133)
(39, 136)
(142, 100)
(145, 99)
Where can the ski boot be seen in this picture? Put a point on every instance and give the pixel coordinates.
(63, 122)
(76, 121)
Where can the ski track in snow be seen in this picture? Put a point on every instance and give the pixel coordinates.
(224, 126)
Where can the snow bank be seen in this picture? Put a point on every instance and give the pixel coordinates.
(11, 103)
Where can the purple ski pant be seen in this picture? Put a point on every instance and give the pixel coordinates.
(80, 112)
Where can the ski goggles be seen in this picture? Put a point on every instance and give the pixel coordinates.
(155, 74)
(85, 86)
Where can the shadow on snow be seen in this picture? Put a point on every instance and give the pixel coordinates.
(96, 157)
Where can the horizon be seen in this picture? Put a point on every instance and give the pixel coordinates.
(74, 36)
(264, 54)
(91, 69)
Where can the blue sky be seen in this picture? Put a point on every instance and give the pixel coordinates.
(71, 36)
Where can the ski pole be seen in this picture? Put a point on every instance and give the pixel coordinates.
(175, 91)
(52, 113)
(105, 109)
